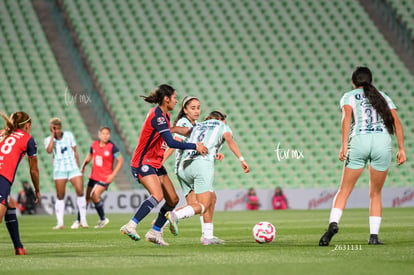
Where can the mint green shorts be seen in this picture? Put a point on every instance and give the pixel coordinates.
(197, 176)
(375, 148)
(60, 175)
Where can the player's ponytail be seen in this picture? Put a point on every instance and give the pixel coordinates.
(159, 94)
(16, 121)
(181, 113)
(362, 77)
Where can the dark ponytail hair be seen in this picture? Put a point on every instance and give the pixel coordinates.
(16, 121)
(159, 94)
(362, 77)
(184, 104)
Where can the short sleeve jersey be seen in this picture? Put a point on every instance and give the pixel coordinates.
(182, 122)
(12, 150)
(365, 119)
(103, 160)
(211, 134)
(63, 154)
(151, 146)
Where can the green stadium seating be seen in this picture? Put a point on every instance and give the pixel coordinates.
(405, 9)
(31, 81)
(278, 68)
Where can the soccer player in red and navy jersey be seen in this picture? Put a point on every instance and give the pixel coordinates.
(146, 163)
(103, 153)
(15, 142)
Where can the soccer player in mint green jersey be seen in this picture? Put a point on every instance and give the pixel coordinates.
(196, 172)
(369, 118)
(66, 167)
(187, 117)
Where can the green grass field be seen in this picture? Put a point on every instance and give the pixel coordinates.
(295, 250)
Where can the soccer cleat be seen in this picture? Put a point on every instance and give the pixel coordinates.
(155, 237)
(373, 239)
(58, 227)
(211, 241)
(20, 251)
(130, 232)
(172, 219)
(102, 223)
(84, 224)
(76, 224)
(326, 238)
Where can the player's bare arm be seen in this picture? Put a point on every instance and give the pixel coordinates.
(235, 149)
(34, 174)
(88, 159)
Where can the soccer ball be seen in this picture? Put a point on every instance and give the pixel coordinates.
(264, 232)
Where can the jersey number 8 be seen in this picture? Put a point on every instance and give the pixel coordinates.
(8, 145)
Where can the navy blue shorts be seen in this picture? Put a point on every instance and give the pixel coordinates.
(146, 170)
(5, 187)
(92, 183)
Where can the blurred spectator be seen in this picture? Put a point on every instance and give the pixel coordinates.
(252, 201)
(279, 201)
(27, 199)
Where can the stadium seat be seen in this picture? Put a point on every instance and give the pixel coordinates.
(278, 75)
(32, 82)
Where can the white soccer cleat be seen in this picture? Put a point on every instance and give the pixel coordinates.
(75, 225)
(84, 224)
(212, 241)
(155, 237)
(130, 232)
(58, 227)
(173, 220)
(102, 223)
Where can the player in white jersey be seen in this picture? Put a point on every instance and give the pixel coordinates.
(65, 167)
(197, 173)
(369, 118)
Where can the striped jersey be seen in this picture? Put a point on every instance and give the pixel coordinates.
(63, 154)
(365, 119)
(211, 134)
(12, 150)
(182, 122)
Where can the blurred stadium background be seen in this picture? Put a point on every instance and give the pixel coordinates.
(277, 67)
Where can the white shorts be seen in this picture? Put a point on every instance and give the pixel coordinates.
(60, 175)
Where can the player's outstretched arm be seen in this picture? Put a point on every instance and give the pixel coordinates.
(235, 149)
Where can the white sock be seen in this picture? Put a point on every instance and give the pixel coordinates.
(374, 224)
(82, 209)
(132, 224)
(202, 224)
(336, 215)
(185, 212)
(60, 211)
(208, 229)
